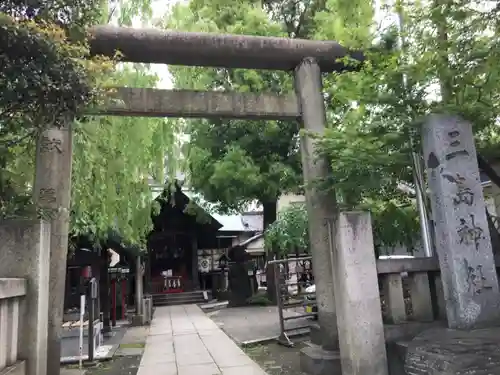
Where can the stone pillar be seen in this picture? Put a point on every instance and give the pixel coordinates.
(24, 253)
(321, 207)
(361, 334)
(463, 243)
(52, 193)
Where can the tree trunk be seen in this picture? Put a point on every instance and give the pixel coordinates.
(270, 215)
(270, 212)
(444, 75)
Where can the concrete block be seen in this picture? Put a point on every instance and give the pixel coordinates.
(314, 360)
(25, 253)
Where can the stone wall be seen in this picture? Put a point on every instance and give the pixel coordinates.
(25, 253)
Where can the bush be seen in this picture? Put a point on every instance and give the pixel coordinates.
(259, 300)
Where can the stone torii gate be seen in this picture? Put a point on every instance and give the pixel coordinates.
(307, 59)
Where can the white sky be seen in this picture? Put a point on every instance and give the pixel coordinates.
(160, 9)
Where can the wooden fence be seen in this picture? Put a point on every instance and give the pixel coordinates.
(12, 291)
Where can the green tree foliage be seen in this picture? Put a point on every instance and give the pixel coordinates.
(393, 225)
(234, 162)
(446, 64)
(289, 234)
(44, 80)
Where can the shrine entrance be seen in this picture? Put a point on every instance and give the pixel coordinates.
(171, 265)
(173, 245)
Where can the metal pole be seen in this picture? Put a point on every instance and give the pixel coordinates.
(92, 300)
(421, 206)
(124, 297)
(113, 301)
(82, 313)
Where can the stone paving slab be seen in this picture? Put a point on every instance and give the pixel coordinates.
(184, 341)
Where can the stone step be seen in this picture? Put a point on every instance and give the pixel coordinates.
(179, 302)
(186, 298)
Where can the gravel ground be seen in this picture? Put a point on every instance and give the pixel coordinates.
(253, 322)
(277, 359)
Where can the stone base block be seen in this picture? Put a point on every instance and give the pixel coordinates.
(454, 352)
(316, 361)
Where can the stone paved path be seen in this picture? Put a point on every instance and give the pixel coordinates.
(183, 341)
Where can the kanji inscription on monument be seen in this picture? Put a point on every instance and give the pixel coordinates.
(463, 243)
(47, 196)
(49, 144)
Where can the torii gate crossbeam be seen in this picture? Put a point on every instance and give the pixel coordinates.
(216, 50)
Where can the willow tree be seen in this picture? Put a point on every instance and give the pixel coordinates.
(47, 78)
(114, 160)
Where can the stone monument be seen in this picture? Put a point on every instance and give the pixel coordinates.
(463, 242)
(463, 246)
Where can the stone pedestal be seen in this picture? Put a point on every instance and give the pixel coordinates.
(315, 334)
(138, 320)
(315, 360)
(24, 253)
(361, 331)
(463, 244)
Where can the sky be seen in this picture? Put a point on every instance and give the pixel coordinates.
(160, 7)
